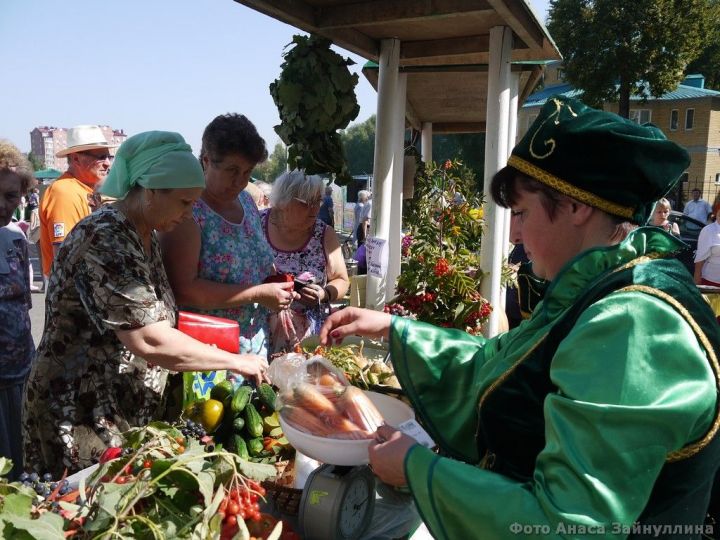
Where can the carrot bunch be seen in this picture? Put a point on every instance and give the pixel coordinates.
(327, 408)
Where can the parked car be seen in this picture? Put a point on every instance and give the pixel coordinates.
(689, 232)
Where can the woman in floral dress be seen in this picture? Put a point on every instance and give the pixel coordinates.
(218, 260)
(16, 342)
(109, 337)
(307, 248)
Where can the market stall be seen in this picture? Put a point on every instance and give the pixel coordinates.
(284, 462)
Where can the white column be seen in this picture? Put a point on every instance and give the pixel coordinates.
(383, 164)
(426, 142)
(512, 133)
(397, 188)
(496, 152)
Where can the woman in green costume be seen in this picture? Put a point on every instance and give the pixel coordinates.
(596, 416)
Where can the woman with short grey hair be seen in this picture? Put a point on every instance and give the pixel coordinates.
(307, 248)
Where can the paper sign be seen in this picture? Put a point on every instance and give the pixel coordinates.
(377, 256)
(415, 430)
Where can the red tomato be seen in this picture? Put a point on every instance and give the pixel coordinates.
(262, 526)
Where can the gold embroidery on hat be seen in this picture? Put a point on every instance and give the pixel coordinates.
(570, 190)
(549, 142)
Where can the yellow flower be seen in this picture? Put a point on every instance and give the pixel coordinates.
(456, 230)
(476, 213)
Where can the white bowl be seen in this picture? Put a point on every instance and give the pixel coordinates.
(342, 451)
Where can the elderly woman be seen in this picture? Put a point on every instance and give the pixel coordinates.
(218, 260)
(307, 248)
(16, 342)
(109, 338)
(598, 412)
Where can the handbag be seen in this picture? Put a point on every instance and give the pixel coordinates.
(216, 331)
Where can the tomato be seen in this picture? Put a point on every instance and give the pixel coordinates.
(262, 526)
(208, 412)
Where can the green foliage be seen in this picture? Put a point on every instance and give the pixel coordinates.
(440, 273)
(35, 161)
(315, 97)
(275, 165)
(708, 63)
(614, 48)
(359, 143)
(178, 497)
(466, 147)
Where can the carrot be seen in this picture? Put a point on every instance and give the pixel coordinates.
(358, 408)
(313, 401)
(305, 421)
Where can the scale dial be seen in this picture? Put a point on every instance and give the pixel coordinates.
(337, 503)
(355, 507)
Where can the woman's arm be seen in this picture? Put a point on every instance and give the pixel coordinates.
(697, 276)
(181, 255)
(164, 345)
(675, 229)
(337, 276)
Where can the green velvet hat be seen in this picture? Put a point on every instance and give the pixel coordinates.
(600, 158)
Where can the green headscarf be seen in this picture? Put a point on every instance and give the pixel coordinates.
(154, 160)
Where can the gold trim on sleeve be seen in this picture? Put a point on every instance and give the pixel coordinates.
(568, 189)
(694, 448)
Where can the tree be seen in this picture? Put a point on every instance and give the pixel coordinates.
(613, 49)
(708, 63)
(359, 143)
(35, 161)
(275, 165)
(469, 148)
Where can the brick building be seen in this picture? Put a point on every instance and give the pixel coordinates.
(46, 141)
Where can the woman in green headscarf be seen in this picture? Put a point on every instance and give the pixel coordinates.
(109, 338)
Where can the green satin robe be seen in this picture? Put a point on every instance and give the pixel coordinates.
(633, 385)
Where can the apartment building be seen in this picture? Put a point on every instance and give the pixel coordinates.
(46, 141)
(688, 115)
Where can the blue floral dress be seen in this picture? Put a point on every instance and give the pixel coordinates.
(236, 253)
(16, 342)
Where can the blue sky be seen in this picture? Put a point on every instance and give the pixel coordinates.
(139, 65)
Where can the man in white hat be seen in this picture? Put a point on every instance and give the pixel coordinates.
(72, 196)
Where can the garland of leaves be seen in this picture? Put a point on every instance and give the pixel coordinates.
(315, 97)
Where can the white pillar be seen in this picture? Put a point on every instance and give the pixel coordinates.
(512, 133)
(397, 188)
(496, 152)
(383, 165)
(426, 142)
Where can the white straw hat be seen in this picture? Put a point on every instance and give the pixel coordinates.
(81, 138)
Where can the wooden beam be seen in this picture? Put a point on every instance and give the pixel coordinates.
(413, 50)
(458, 127)
(381, 11)
(411, 116)
(303, 16)
(292, 12)
(519, 17)
(531, 84)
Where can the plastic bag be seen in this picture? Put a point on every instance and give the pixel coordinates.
(316, 398)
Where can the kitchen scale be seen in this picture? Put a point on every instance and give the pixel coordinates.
(337, 502)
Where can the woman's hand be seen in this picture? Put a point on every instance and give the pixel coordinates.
(312, 294)
(252, 366)
(276, 296)
(387, 455)
(354, 321)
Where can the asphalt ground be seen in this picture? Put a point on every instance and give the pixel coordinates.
(37, 313)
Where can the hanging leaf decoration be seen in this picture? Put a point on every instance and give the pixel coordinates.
(315, 96)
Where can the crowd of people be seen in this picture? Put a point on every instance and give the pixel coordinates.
(129, 237)
(599, 410)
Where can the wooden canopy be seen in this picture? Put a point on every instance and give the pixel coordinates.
(444, 47)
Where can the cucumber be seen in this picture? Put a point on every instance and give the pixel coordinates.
(238, 424)
(253, 421)
(223, 392)
(239, 446)
(240, 400)
(267, 396)
(255, 446)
